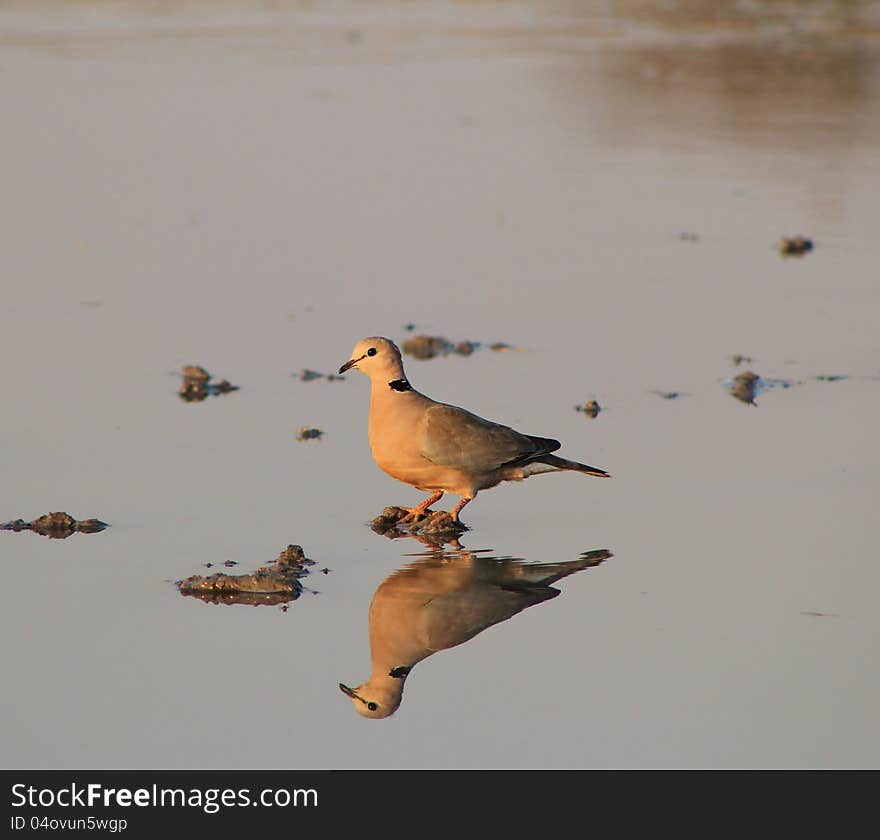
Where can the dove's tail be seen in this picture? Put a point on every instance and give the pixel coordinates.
(564, 464)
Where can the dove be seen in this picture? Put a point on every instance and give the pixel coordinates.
(442, 601)
(439, 448)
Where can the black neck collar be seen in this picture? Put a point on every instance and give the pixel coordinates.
(400, 385)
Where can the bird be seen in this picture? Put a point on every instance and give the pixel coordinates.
(440, 601)
(439, 448)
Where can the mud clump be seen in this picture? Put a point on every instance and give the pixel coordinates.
(427, 346)
(308, 433)
(744, 387)
(274, 584)
(434, 526)
(738, 359)
(795, 246)
(58, 525)
(431, 346)
(196, 386)
(591, 408)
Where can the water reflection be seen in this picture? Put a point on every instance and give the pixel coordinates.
(441, 600)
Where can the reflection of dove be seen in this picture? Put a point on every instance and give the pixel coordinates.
(441, 601)
(440, 448)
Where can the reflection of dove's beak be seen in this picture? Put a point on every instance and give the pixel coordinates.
(344, 688)
(350, 363)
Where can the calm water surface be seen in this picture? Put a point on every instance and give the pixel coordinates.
(254, 187)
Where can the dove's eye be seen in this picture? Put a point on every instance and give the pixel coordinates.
(372, 351)
(372, 706)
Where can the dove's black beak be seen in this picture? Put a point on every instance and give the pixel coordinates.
(349, 364)
(346, 690)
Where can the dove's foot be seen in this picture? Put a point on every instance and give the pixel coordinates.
(418, 512)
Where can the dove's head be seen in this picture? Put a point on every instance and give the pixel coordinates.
(375, 700)
(378, 358)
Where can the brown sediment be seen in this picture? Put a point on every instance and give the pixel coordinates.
(195, 385)
(429, 346)
(271, 585)
(591, 408)
(58, 525)
(739, 359)
(308, 433)
(795, 246)
(743, 387)
(436, 527)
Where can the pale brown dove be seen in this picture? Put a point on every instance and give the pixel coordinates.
(440, 448)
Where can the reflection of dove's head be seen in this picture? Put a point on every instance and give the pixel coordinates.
(378, 358)
(377, 698)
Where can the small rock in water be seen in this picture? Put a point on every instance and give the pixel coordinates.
(57, 525)
(744, 387)
(273, 584)
(795, 246)
(195, 385)
(426, 346)
(591, 408)
(307, 433)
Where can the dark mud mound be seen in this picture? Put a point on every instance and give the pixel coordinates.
(591, 408)
(196, 385)
(795, 246)
(57, 526)
(308, 433)
(436, 527)
(274, 584)
(746, 386)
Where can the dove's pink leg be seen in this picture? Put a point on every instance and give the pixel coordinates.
(457, 509)
(418, 510)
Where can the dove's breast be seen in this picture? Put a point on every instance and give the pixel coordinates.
(396, 432)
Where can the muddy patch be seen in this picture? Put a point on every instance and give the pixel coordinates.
(275, 584)
(748, 385)
(196, 385)
(431, 346)
(795, 246)
(57, 526)
(591, 408)
(308, 433)
(435, 527)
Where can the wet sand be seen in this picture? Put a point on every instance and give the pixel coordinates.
(256, 188)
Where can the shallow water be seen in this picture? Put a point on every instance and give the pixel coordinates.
(254, 187)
